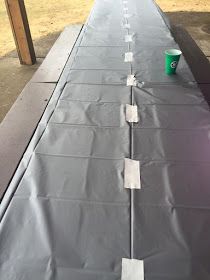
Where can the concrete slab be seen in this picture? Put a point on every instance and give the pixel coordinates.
(42, 46)
(13, 79)
(51, 68)
(198, 26)
(14, 76)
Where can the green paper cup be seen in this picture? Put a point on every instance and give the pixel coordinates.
(172, 57)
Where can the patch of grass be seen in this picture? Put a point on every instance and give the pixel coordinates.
(45, 17)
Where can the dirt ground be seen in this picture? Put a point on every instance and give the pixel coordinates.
(184, 6)
(194, 15)
(47, 18)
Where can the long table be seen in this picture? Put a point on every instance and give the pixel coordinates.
(67, 214)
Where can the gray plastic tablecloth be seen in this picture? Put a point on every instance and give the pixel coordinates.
(66, 214)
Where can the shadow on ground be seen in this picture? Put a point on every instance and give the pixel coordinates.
(13, 76)
(41, 46)
(197, 24)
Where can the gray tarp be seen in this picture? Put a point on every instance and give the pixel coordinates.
(66, 214)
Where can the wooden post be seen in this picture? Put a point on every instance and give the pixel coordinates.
(21, 31)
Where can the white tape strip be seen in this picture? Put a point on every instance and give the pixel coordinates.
(125, 2)
(127, 25)
(128, 38)
(132, 269)
(127, 15)
(125, 9)
(132, 174)
(128, 57)
(131, 113)
(131, 80)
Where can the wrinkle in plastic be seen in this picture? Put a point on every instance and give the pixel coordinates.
(66, 214)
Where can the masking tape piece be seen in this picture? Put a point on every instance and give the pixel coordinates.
(127, 15)
(125, 2)
(127, 25)
(132, 269)
(131, 80)
(132, 174)
(131, 113)
(128, 57)
(128, 38)
(125, 9)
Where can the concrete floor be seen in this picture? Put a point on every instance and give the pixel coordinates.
(13, 76)
(197, 24)
(13, 79)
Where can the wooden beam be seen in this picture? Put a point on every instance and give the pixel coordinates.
(21, 31)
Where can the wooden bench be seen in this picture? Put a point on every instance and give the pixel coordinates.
(21, 121)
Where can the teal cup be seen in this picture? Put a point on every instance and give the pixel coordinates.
(172, 57)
